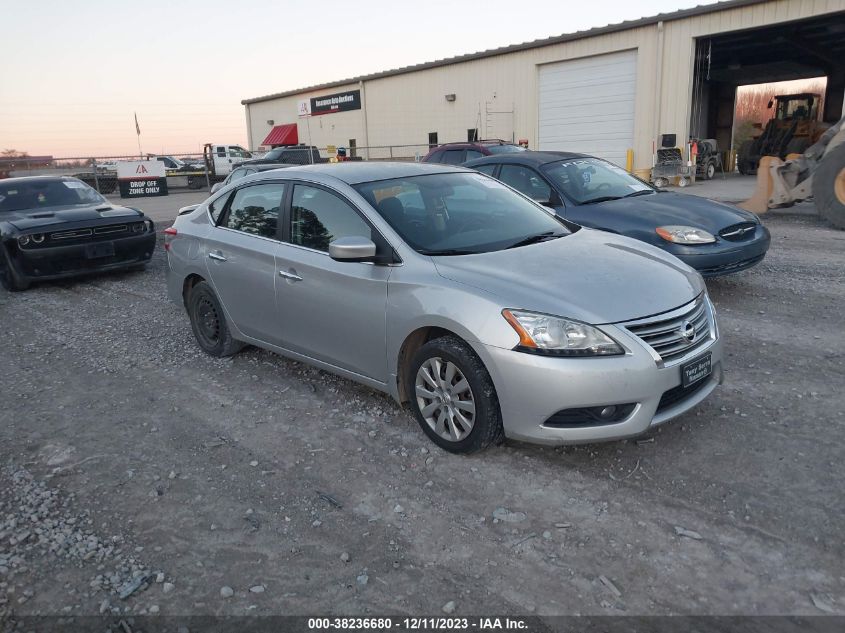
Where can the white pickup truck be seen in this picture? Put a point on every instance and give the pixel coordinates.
(220, 159)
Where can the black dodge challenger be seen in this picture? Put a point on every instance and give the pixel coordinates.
(57, 227)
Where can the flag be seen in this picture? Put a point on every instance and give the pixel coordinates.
(137, 127)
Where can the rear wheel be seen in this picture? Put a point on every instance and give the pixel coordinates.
(208, 322)
(710, 171)
(453, 397)
(746, 162)
(829, 187)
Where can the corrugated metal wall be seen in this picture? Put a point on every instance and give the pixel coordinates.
(403, 109)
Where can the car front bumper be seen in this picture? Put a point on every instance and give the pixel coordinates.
(725, 257)
(532, 389)
(59, 262)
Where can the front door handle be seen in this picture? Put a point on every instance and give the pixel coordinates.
(216, 257)
(291, 276)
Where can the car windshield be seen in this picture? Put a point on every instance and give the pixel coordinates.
(588, 180)
(273, 154)
(504, 149)
(460, 213)
(39, 194)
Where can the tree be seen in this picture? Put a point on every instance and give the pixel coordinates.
(13, 153)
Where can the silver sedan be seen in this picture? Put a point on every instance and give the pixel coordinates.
(453, 293)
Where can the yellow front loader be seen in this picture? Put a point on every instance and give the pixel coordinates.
(819, 173)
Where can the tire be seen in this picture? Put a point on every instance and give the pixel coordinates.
(746, 163)
(710, 171)
(450, 361)
(829, 187)
(10, 279)
(208, 322)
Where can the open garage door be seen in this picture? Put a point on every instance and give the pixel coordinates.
(587, 105)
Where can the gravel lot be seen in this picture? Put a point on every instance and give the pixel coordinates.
(134, 465)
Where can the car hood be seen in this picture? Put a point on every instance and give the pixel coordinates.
(591, 276)
(662, 209)
(43, 218)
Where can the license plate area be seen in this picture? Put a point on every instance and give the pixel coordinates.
(695, 370)
(95, 251)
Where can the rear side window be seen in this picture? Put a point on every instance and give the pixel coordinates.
(255, 209)
(485, 169)
(472, 154)
(452, 157)
(318, 217)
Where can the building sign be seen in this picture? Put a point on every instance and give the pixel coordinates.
(141, 178)
(340, 102)
(303, 108)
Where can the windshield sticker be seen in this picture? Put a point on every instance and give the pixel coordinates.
(41, 198)
(72, 184)
(586, 176)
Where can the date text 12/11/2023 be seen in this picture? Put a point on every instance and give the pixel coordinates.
(420, 624)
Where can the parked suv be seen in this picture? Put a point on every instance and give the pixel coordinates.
(457, 153)
(289, 155)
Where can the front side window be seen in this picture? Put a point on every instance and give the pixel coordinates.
(527, 181)
(40, 194)
(588, 180)
(459, 213)
(318, 217)
(255, 209)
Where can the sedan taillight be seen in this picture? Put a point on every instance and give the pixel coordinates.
(169, 235)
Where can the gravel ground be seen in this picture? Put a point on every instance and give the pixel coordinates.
(140, 476)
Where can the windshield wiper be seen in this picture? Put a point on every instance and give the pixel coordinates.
(641, 192)
(448, 251)
(601, 199)
(539, 237)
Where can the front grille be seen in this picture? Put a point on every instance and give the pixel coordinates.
(111, 229)
(70, 235)
(680, 393)
(733, 267)
(739, 232)
(666, 336)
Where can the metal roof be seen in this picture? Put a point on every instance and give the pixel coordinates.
(558, 39)
(285, 134)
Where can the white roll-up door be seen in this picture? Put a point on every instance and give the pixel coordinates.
(587, 105)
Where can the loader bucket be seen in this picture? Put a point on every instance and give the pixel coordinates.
(759, 202)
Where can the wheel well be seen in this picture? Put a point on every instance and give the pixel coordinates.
(413, 342)
(190, 281)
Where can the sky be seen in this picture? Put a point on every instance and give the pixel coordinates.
(74, 72)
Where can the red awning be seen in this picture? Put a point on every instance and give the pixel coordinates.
(282, 135)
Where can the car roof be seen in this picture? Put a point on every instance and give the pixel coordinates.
(264, 166)
(47, 178)
(534, 159)
(356, 172)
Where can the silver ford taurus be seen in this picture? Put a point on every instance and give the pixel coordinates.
(452, 292)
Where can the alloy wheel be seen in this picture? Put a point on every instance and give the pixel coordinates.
(445, 399)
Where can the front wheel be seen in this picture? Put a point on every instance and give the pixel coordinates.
(209, 322)
(9, 277)
(453, 397)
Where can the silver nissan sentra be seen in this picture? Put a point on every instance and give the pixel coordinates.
(451, 292)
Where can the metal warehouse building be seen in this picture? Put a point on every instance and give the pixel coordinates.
(603, 91)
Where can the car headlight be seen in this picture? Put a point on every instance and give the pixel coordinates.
(684, 234)
(23, 240)
(555, 336)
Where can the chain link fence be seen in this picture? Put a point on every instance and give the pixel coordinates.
(188, 170)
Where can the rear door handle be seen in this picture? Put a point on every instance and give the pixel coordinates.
(291, 276)
(216, 257)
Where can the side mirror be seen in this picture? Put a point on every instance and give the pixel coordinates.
(352, 249)
(217, 186)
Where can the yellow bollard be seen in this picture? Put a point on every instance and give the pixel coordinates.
(629, 161)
